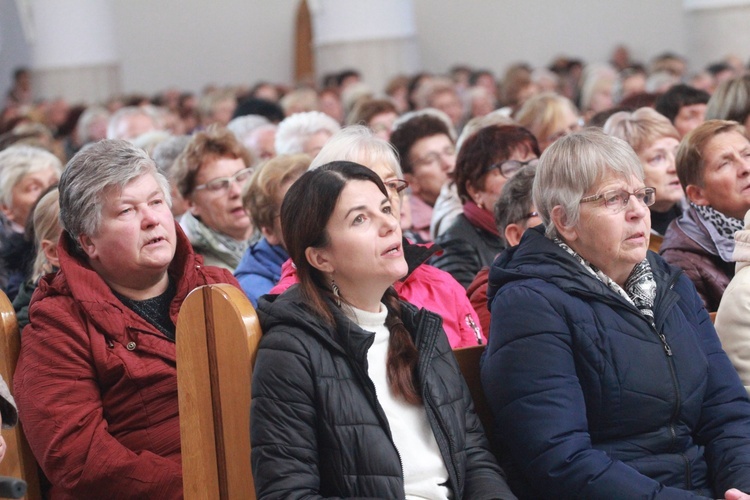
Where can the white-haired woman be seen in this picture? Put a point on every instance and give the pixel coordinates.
(604, 374)
(25, 172)
(96, 382)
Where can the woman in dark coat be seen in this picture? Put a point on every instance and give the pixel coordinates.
(355, 393)
(604, 373)
(486, 161)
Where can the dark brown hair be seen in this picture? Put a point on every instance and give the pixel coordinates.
(307, 207)
(408, 133)
(488, 146)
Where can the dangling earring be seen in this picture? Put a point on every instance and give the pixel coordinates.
(336, 292)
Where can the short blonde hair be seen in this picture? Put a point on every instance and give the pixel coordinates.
(542, 114)
(260, 195)
(47, 226)
(640, 128)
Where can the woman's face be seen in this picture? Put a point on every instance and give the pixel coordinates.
(26, 192)
(494, 180)
(614, 241)
(382, 124)
(566, 123)
(136, 240)
(364, 255)
(659, 168)
(387, 175)
(432, 159)
(221, 209)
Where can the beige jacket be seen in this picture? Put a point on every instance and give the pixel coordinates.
(733, 316)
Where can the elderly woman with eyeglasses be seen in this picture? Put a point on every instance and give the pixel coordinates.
(486, 161)
(604, 374)
(210, 175)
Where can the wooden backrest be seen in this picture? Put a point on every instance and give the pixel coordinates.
(18, 461)
(217, 338)
(468, 361)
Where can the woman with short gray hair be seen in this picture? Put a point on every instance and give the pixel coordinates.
(604, 374)
(96, 377)
(25, 172)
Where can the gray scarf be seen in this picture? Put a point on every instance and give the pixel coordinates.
(206, 241)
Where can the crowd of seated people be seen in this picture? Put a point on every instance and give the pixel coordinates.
(578, 220)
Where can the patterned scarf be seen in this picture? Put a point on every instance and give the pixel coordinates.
(205, 239)
(725, 226)
(640, 287)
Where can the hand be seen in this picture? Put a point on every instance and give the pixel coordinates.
(735, 494)
(2, 448)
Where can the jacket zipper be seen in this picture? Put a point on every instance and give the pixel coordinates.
(473, 326)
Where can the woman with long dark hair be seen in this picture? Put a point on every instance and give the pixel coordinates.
(355, 393)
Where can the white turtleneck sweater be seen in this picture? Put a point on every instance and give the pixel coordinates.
(424, 470)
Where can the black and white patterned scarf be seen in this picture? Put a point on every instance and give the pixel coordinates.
(725, 226)
(640, 287)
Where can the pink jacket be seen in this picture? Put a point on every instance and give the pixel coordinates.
(430, 288)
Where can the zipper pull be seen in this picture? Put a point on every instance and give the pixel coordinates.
(473, 326)
(667, 349)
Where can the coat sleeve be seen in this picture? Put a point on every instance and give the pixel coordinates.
(724, 426)
(460, 259)
(60, 407)
(733, 325)
(539, 413)
(283, 420)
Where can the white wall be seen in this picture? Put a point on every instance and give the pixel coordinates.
(495, 33)
(187, 43)
(192, 43)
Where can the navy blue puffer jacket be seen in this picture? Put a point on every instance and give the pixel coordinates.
(590, 400)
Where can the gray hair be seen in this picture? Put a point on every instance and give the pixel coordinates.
(18, 161)
(123, 114)
(87, 119)
(497, 117)
(46, 219)
(358, 144)
(573, 165)
(242, 126)
(167, 151)
(515, 200)
(89, 176)
(294, 130)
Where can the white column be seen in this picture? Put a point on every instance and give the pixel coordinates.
(73, 50)
(377, 38)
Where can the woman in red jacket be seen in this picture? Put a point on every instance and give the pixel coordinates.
(96, 382)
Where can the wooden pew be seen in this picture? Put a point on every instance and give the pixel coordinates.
(217, 339)
(18, 461)
(468, 361)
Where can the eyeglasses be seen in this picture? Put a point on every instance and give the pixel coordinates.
(396, 185)
(616, 200)
(435, 156)
(528, 216)
(222, 183)
(508, 168)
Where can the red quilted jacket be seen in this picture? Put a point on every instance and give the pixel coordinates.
(96, 384)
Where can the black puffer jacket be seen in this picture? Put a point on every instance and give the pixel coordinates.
(466, 250)
(317, 427)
